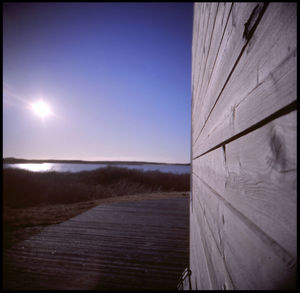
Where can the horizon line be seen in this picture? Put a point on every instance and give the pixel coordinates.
(95, 161)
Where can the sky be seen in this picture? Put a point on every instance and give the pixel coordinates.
(116, 77)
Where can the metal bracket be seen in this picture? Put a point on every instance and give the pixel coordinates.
(186, 274)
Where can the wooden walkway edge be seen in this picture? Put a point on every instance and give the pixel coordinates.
(129, 245)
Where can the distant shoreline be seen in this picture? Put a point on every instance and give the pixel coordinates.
(18, 161)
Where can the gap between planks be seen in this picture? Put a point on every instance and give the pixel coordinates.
(284, 255)
(284, 111)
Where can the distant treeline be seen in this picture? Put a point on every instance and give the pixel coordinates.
(12, 160)
(22, 188)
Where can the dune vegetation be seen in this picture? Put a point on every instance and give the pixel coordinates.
(22, 188)
(33, 200)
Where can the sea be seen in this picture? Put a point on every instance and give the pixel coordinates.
(74, 167)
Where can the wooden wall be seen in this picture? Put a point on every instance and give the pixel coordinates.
(243, 211)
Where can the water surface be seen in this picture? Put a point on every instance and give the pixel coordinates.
(73, 167)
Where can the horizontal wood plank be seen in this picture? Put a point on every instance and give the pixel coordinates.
(200, 279)
(263, 82)
(218, 273)
(229, 52)
(130, 245)
(199, 23)
(195, 35)
(215, 33)
(216, 36)
(248, 259)
(202, 31)
(256, 174)
(203, 47)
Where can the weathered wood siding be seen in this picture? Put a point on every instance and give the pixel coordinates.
(243, 209)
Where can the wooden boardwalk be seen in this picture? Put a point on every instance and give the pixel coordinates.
(129, 245)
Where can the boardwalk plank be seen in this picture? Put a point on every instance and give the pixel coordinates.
(132, 245)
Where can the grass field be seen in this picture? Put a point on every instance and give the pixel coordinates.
(35, 200)
(23, 188)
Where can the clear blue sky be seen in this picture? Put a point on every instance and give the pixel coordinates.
(117, 77)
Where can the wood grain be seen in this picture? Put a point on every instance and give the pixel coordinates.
(256, 174)
(206, 13)
(216, 37)
(249, 261)
(205, 45)
(268, 84)
(217, 270)
(195, 37)
(215, 34)
(244, 174)
(200, 278)
(229, 52)
(129, 245)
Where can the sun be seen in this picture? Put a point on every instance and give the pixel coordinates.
(41, 109)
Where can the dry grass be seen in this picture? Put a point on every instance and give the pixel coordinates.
(33, 200)
(24, 189)
(19, 224)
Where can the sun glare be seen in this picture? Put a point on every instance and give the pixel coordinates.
(41, 109)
